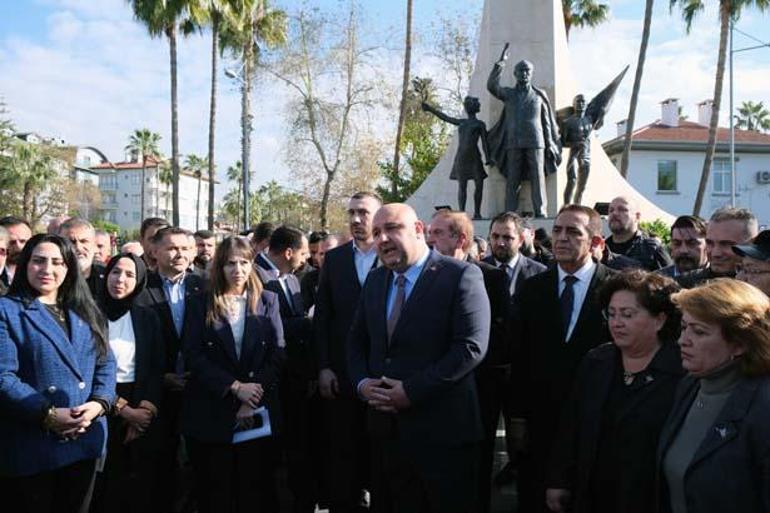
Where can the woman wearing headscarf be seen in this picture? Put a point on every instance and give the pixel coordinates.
(234, 347)
(57, 380)
(134, 337)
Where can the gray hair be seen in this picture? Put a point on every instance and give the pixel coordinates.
(746, 216)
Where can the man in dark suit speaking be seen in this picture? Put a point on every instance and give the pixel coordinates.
(421, 327)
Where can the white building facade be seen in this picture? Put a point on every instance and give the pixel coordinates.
(121, 189)
(666, 162)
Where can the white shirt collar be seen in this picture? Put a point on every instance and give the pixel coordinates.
(512, 263)
(583, 274)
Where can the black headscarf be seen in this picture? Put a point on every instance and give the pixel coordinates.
(114, 309)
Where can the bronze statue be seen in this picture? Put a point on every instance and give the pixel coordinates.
(525, 141)
(468, 164)
(577, 123)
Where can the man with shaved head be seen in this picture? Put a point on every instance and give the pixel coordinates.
(421, 327)
(628, 240)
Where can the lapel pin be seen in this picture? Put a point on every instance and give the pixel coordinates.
(722, 431)
(649, 379)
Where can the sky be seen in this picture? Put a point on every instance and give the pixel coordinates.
(85, 71)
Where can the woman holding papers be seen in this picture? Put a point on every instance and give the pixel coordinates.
(234, 348)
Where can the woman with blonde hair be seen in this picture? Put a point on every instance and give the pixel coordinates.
(234, 348)
(714, 452)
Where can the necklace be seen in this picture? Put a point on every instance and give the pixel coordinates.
(57, 311)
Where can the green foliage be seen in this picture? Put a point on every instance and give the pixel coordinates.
(753, 116)
(270, 202)
(423, 142)
(692, 8)
(106, 226)
(657, 228)
(584, 13)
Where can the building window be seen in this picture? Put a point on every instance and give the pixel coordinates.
(667, 176)
(136, 179)
(136, 216)
(135, 199)
(720, 176)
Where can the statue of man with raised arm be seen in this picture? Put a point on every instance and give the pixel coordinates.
(525, 141)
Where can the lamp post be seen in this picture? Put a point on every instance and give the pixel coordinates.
(245, 142)
(733, 51)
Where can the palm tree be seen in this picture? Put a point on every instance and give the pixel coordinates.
(197, 164)
(235, 174)
(211, 13)
(160, 17)
(253, 25)
(583, 13)
(729, 11)
(637, 86)
(404, 92)
(753, 116)
(144, 143)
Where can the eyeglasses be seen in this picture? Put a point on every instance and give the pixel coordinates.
(750, 271)
(625, 314)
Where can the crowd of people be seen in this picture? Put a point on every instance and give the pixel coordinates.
(279, 371)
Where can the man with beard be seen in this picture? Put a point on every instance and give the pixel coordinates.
(81, 234)
(342, 277)
(19, 233)
(628, 240)
(421, 328)
(688, 246)
(727, 227)
(505, 240)
(205, 245)
(451, 234)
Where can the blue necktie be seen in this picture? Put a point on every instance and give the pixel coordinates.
(565, 302)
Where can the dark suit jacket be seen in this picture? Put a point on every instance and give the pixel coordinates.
(440, 337)
(544, 364)
(150, 356)
(309, 285)
(95, 282)
(265, 271)
(525, 268)
(499, 350)
(154, 297)
(336, 303)
(730, 471)
(209, 408)
(297, 331)
(634, 429)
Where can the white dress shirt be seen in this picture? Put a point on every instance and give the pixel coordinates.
(580, 288)
(364, 261)
(123, 345)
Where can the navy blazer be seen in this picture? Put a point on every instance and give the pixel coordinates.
(42, 366)
(730, 471)
(336, 303)
(525, 268)
(154, 297)
(441, 336)
(209, 408)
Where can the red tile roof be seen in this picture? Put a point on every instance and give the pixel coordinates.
(151, 162)
(688, 131)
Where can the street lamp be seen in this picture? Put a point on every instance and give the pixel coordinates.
(245, 135)
(732, 100)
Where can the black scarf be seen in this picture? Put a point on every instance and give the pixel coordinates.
(114, 309)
